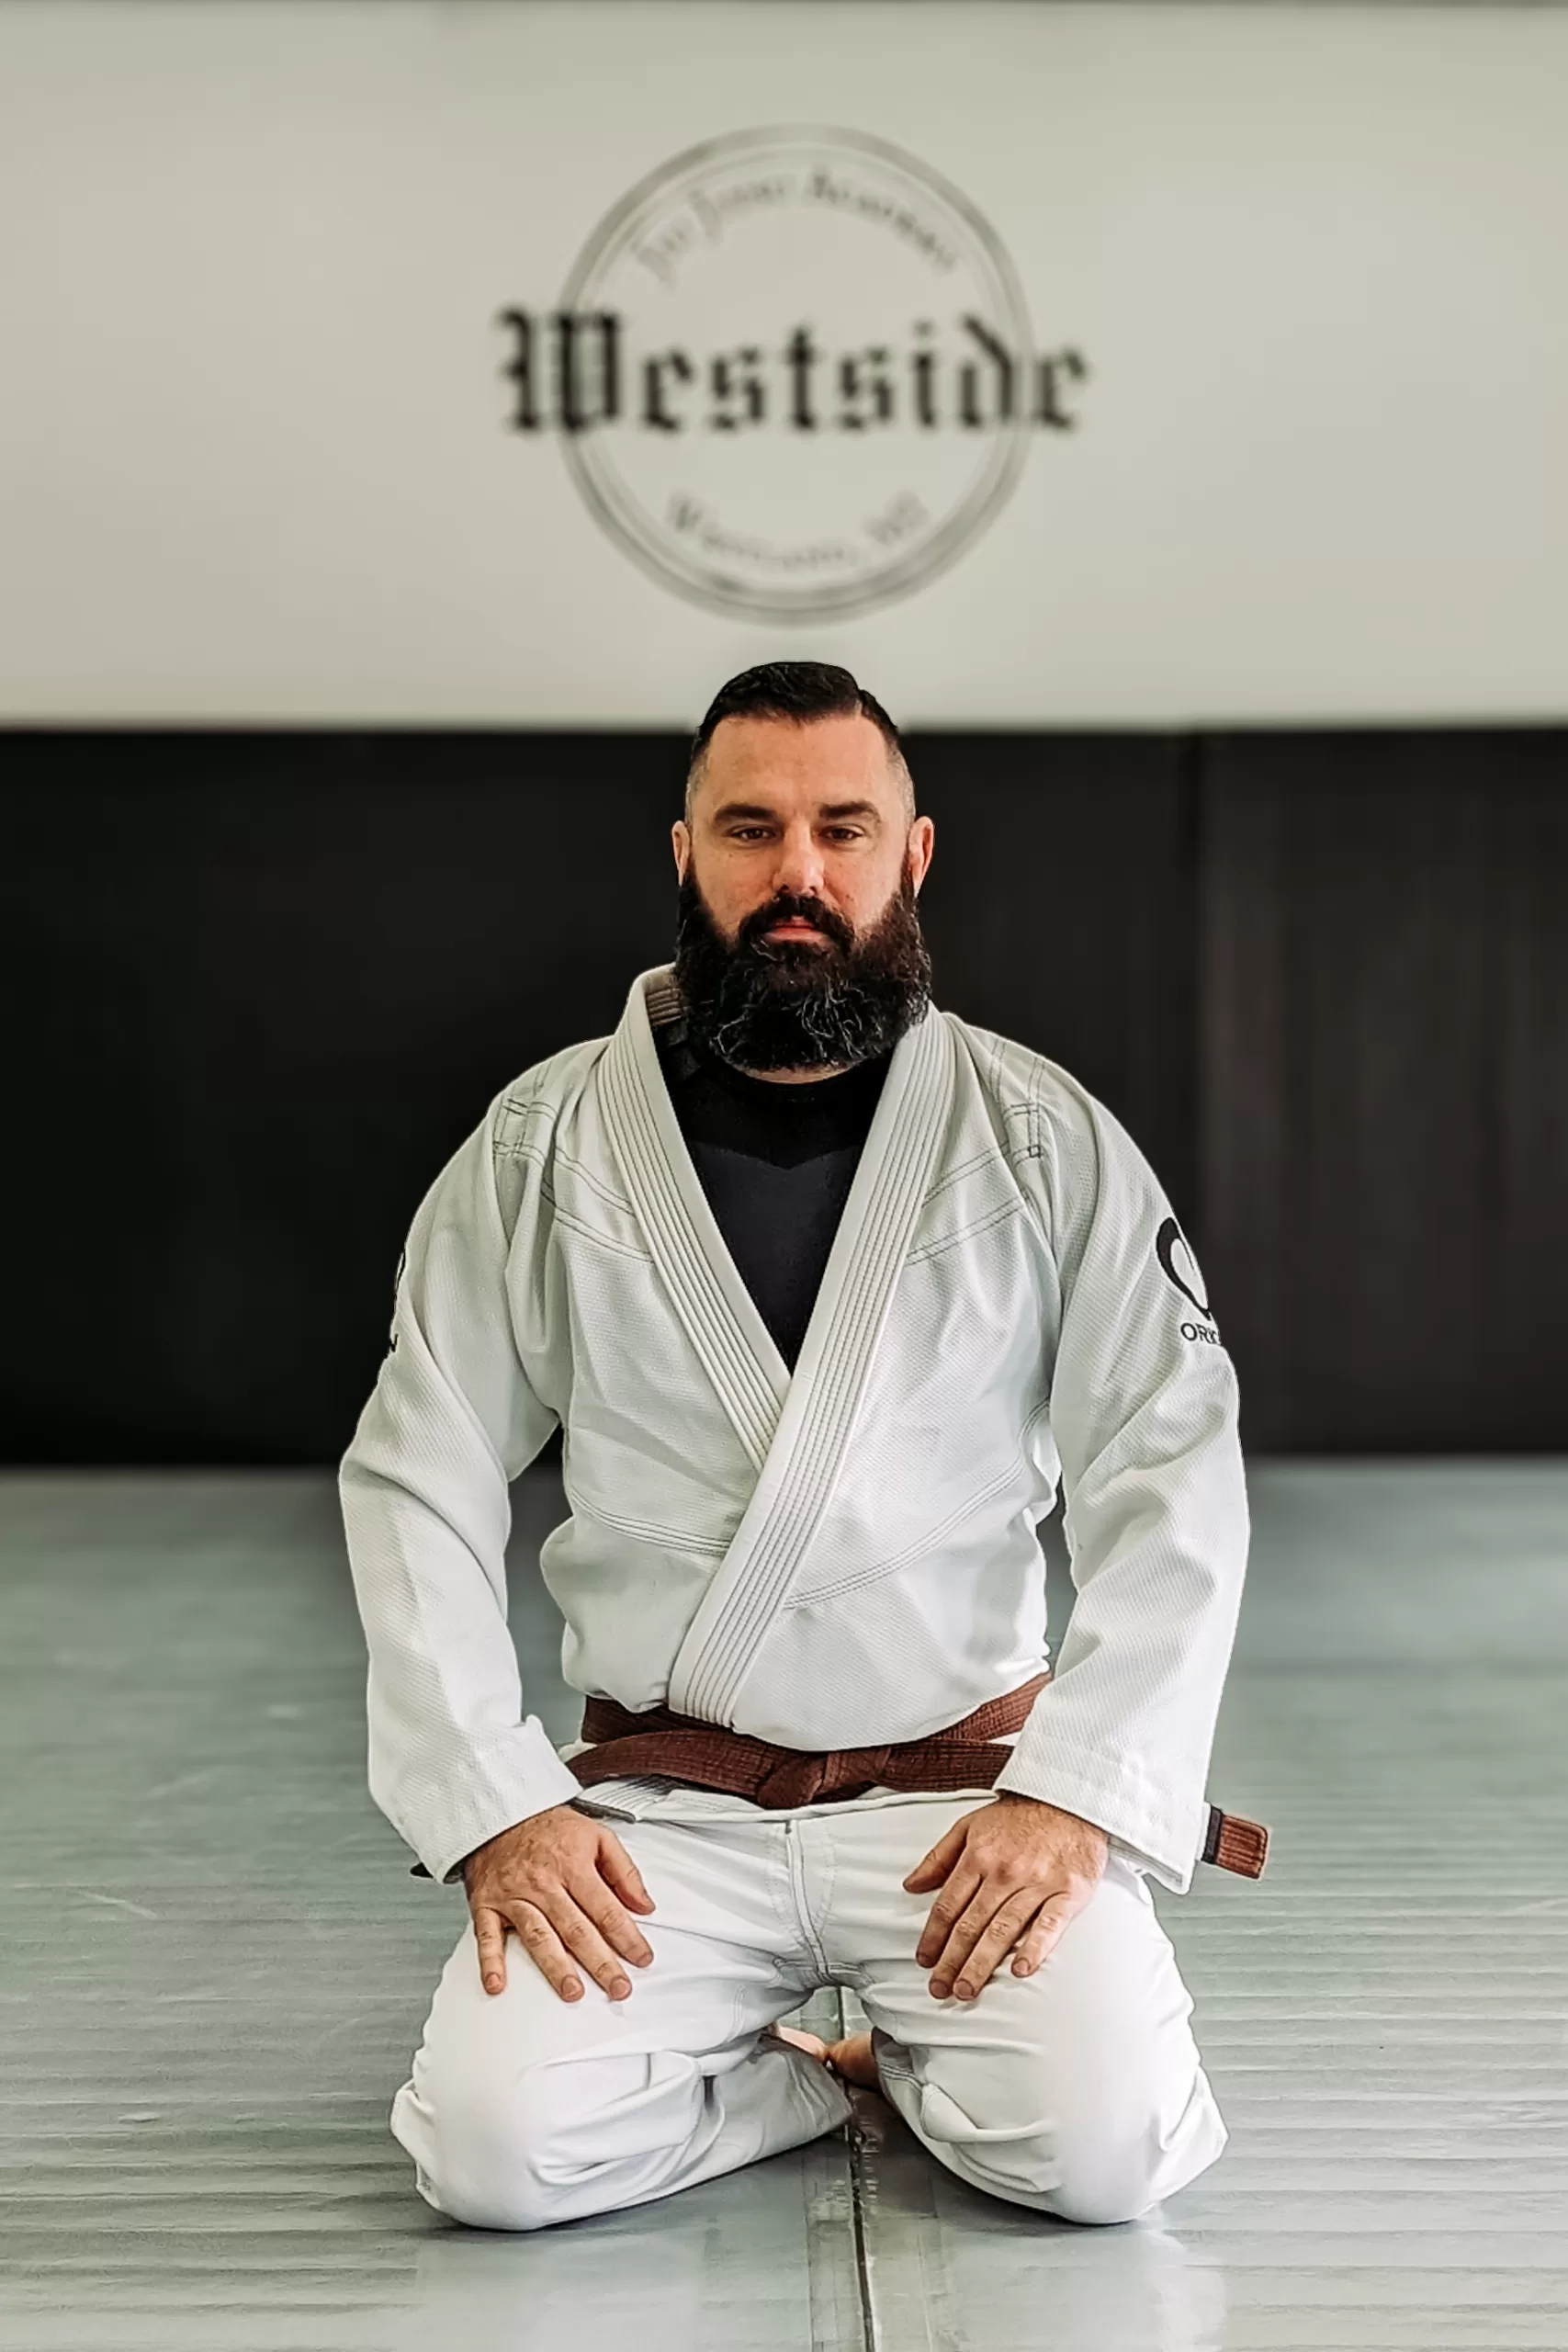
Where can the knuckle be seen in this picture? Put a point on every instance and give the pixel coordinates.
(589, 1951)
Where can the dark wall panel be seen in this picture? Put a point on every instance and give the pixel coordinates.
(1061, 910)
(275, 981)
(1384, 1162)
(260, 986)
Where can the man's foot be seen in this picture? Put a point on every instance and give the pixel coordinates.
(851, 2058)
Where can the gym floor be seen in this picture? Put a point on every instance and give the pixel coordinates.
(214, 1968)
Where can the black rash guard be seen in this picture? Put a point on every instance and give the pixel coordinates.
(777, 1163)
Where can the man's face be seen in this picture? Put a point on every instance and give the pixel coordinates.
(799, 947)
(797, 812)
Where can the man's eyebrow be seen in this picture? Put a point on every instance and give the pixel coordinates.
(754, 809)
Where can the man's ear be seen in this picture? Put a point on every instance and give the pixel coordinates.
(921, 844)
(680, 841)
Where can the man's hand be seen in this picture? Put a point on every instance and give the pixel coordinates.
(550, 1878)
(1018, 1864)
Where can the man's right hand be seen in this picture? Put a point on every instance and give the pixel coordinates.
(551, 1878)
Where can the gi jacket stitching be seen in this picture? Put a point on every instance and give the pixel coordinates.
(672, 1539)
(1001, 1215)
(1021, 1459)
(592, 1183)
(603, 1240)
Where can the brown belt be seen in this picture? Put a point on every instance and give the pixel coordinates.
(966, 1756)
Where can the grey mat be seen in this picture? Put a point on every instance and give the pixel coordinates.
(213, 1968)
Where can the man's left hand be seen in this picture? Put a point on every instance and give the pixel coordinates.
(1015, 1873)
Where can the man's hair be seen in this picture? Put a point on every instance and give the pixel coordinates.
(800, 691)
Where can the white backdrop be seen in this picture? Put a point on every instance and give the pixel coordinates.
(255, 456)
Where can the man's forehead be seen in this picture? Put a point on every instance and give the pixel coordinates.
(827, 755)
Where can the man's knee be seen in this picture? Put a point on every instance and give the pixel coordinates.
(1094, 2180)
(1036, 2140)
(554, 2141)
(485, 2156)
(1088, 2176)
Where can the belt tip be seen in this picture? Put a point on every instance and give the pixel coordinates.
(1234, 1843)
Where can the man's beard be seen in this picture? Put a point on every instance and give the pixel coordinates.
(766, 1004)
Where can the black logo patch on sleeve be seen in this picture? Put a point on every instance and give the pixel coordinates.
(1167, 1240)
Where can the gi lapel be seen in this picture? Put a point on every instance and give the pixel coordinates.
(705, 1285)
(796, 1431)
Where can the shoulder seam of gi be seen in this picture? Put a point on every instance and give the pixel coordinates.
(522, 1119)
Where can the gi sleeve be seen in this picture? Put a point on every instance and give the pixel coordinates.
(1144, 1415)
(423, 1486)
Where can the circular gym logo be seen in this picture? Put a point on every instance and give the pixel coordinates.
(792, 373)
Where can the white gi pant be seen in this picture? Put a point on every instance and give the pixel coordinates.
(1077, 2090)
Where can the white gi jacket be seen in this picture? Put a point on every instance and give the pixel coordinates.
(838, 1558)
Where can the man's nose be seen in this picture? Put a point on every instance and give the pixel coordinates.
(798, 868)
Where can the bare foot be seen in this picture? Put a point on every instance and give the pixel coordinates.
(851, 2058)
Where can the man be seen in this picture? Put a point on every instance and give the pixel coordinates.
(825, 1288)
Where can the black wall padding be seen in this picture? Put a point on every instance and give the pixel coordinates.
(260, 985)
(1384, 1143)
(1060, 910)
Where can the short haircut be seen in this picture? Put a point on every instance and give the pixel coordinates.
(800, 691)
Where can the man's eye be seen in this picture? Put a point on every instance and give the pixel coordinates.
(746, 832)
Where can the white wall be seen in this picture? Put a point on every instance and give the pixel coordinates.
(254, 459)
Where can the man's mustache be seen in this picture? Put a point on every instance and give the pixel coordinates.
(787, 907)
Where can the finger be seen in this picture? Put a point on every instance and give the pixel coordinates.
(595, 1899)
(978, 1920)
(998, 1938)
(547, 1950)
(947, 1910)
(490, 1935)
(583, 1941)
(617, 1866)
(1043, 1936)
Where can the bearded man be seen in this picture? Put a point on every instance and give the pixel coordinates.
(826, 1289)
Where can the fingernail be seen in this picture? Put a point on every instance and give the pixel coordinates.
(492, 1983)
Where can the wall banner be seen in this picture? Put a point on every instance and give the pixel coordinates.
(545, 362)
